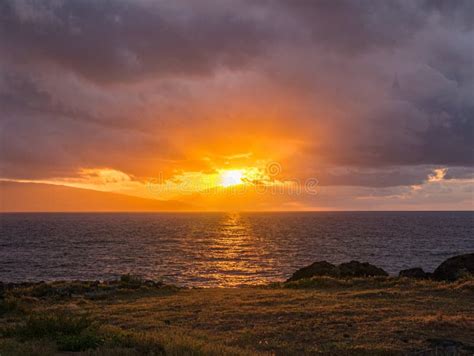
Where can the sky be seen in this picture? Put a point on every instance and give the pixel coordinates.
(247, 105)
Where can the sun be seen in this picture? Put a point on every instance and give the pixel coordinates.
(231, 177)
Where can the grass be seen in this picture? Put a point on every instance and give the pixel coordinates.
(316, 316)
(69, 331)
(7, 305)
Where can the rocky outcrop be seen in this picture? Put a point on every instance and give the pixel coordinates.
(319, 268)
(349, 269)
(414, 273)
(455, 267)
(450, 270)
(359, 269)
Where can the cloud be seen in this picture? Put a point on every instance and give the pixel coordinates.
(124, 40)
(437, 175)
(367, 94)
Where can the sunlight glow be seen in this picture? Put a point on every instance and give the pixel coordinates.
(231, 177)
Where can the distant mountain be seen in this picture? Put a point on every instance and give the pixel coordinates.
(38, 197)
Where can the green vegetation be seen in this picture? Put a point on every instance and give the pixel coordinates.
(7, 305)
(379, 315)
(68, 331)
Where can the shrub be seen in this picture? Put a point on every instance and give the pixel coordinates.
(70, 332)
(83, 341)
(8, 305)
(41, 290)
(51, 325)
(130, 281)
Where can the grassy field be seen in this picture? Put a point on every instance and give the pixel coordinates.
(318, 316)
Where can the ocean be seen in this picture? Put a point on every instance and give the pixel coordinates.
(222, 249)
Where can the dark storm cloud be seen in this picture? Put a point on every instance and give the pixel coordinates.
(424, 111)
(41, 137)
(126, 40)
(356, 26)
(392, 82)
(387, 177)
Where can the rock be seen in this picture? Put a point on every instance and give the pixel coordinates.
(358, 269)
(413, 273)
(455, 267)
(319, 268)
(349, 269)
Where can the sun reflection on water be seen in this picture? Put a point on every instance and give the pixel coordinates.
(233, 252)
